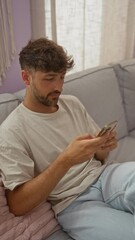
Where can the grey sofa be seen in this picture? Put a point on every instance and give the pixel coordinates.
(108, 93)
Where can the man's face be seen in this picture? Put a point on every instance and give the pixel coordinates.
(46, 87)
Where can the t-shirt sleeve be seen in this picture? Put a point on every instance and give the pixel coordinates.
(16, 165)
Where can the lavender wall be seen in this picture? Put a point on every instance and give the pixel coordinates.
(22, 29)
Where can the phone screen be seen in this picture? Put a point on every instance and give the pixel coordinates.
(107, 127)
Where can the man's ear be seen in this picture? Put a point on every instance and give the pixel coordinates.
(26, 77)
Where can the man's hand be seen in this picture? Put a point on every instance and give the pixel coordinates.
(82, 149)
(109, 145)
(111, 141)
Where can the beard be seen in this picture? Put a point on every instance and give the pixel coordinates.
(47, 101)
(50, 100)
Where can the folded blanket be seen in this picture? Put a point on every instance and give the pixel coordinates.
(35, 225)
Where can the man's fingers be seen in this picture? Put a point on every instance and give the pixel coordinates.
(85, 137)
(89, 141)
(95, 141)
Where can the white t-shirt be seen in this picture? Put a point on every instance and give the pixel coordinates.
(31, 141)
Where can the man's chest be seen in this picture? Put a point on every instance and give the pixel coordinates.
(47, 139)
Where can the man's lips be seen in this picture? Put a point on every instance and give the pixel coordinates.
(55, 94)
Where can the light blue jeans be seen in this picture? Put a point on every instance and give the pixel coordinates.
(105, 211)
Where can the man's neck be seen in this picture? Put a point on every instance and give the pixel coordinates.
(39, 107)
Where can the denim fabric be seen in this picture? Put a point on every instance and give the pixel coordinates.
(105, 211)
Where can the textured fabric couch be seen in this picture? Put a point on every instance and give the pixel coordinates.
(108, 93)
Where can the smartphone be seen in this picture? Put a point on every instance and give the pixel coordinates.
(108, 127)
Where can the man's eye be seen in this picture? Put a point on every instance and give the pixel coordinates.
(49, 79)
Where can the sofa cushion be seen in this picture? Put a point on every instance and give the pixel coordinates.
(125, 151)
(132, 133)
(35, 225)
(20, 94)
(125, 73)
(98, 90)
(8, 103)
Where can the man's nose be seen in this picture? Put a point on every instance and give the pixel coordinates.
(58, 84)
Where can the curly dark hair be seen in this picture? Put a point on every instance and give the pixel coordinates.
(45, 55)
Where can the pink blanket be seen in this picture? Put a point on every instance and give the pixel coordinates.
(40, 222)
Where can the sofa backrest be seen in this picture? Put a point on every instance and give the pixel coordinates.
(125, 73)
(8, 102)
(98, 90)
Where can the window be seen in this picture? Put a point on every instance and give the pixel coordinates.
(78, 29)
(95, 32)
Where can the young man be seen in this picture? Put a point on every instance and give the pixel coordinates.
(49, 149)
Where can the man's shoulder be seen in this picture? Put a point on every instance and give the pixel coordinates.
(71, 102)
(12, 118)
(69, 99)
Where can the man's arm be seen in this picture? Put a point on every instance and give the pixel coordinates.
(30, 194)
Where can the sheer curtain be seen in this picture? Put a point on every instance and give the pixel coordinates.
(118, 30)
(95, 32)
(7, 45)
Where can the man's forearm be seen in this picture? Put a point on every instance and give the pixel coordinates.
(30, 194)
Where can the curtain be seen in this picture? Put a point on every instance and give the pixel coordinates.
(7, 45)
(95, 32)
(118, 30)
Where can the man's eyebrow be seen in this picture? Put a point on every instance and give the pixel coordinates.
(50, 74)
(54, 74)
